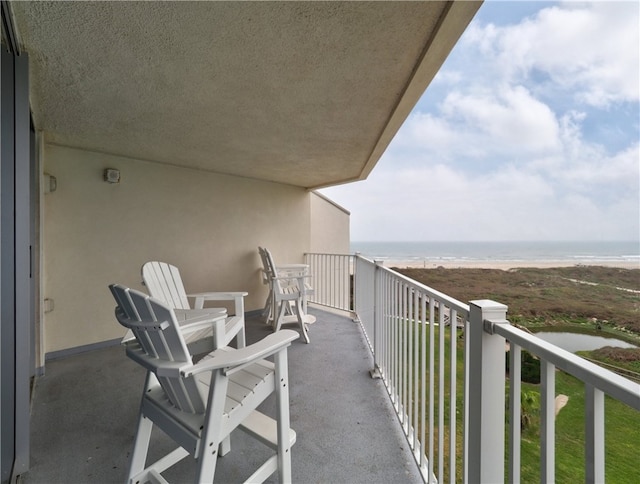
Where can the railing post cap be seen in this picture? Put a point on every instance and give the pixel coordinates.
(488, 304)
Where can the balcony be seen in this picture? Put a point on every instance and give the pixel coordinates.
(85, 410)
(352, 428)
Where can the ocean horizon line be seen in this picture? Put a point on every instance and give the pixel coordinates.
(519, 241)
(567, 253)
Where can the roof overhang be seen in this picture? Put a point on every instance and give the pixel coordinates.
(303, 93)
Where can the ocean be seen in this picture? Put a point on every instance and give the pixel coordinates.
(572, 253)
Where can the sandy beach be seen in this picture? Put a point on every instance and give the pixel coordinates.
(505, 265)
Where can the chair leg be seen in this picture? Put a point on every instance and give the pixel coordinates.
(211, 442)
(267, 312)
(282, 408)
(241, 340)
(140, 446)
(303, 327)
(225, 446)
(277, 320)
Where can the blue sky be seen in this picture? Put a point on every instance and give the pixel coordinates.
(530, 131)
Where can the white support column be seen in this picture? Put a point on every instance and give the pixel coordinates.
(486, 393)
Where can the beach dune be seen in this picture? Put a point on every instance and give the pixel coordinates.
(504, 265)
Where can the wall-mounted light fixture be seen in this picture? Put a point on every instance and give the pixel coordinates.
(112, 175)
(50, 183)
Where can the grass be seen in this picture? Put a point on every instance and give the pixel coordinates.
(549, 298)
(622, 426)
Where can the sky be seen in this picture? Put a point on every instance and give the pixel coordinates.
(530, 131)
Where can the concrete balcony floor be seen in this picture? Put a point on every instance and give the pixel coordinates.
(85, 409)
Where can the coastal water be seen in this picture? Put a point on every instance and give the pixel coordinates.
(578, 252)
(581, 342)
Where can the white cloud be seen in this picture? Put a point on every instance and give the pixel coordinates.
(590, 49)
(510, 116)
(505, 153)
(439, 203)
(499, 126)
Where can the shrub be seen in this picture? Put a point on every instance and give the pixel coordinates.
(530, 367)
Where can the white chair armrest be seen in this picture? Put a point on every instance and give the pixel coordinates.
(294, 267)
(195, 323)
(198, 320)
(288, 278)
(231, 359)
(219, 296)
(237, 297)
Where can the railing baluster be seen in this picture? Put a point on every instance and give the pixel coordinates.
(325, 281)
(398, 345)
(423, 383)
(417, 330)
(407, 349)
(432, 357)
(411, 329)
(332, 280)
(382, 331)
(514, 411)
(453, 316)
(403, 346)
(547, 421)
(396, 338)
(594, 434)
(410, 326)
(465, 453)
(388, 330)
(441, 380)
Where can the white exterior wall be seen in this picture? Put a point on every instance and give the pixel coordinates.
(209, 225)
(330, 229)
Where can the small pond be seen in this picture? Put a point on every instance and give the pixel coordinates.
(581, 342)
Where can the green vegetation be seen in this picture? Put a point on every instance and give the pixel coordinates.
(621, 432)
(549, 298)
(529, 367)
(529, 407)
(622, 427)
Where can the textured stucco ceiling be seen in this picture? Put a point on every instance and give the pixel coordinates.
(303, 93)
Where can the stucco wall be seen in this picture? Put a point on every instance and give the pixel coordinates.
(209, 225)
(330, 231)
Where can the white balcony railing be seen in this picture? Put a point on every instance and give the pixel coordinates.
(454, 417)
(331, 279)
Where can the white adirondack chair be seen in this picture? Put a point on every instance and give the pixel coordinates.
(286, 302)
(198, 406)
(290, 274)
(164, 282)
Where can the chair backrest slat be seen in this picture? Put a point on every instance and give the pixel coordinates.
(267, 273)
(277, 283)
(164, 282)
(155, 327)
